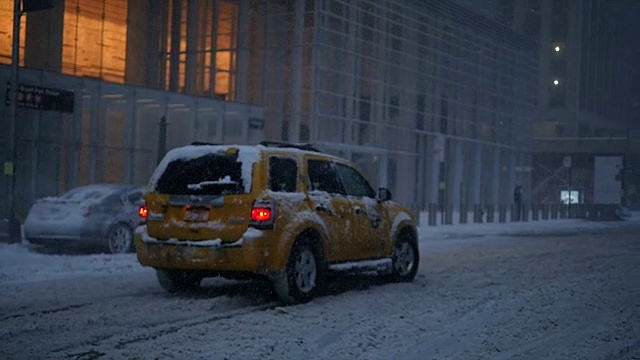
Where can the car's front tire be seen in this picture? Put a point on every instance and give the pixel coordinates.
(120, 239)
(405, 259)
(174, 281)
(300, 281)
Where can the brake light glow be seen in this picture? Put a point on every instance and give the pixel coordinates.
(143, 211)
(261, 214)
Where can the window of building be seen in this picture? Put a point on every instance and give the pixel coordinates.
(95, 39)
(214, 52)
(532, 18)
(6, 33)
(559, 19)
(557, 95)
(394, 107)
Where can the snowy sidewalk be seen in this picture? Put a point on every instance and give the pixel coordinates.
(540, 227)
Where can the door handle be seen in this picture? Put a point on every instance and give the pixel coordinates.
(321, 208)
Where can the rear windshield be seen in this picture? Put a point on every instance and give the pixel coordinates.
(211, 174)
(91, 193)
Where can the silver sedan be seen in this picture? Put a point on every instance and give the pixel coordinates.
(99, 216)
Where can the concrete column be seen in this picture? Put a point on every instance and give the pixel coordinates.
(494, 181)
(475, 175)
(383, 170)
(35, 152)
(43, 46)
(174, 56)
(130, 134)
(378, 96)
(352, 110)
(94, 112)
(242, 46)
(511, 174)
(421, 163)
(192, 48)
(76, 131)
(544, 78)
(146, 40)
(574, 56)
(456, 162)
(519, 14)
(433, 168)
(296, 68)
(214, 44)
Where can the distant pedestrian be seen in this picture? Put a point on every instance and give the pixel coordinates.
(517, 200)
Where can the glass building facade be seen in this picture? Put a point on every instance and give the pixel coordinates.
(429, 99)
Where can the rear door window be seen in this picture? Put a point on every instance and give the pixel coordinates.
(212, 174)
(323, 177)
(283, 173)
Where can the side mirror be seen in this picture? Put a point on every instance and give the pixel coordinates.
(384, 194)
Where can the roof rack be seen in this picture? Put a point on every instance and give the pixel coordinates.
(201, 143)
(279, 144)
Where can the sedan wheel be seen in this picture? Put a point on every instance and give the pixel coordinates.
(120, 239)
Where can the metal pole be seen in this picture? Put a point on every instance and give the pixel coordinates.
(9, 167)
(162, 138)
(570, 190)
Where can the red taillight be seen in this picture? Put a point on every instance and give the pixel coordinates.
(143, 211)
(261, 214)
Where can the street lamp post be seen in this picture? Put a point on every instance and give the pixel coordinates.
(9, 165)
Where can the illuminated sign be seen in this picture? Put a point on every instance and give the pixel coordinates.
(41, 98)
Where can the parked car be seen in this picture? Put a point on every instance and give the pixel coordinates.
(285, 212)
(99, 216)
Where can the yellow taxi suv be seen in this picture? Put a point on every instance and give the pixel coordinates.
(285, 212)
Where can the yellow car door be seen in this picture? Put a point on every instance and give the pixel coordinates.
(327, 199)
(369, 224)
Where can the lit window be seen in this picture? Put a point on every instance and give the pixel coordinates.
(6, 33)
(95, 39)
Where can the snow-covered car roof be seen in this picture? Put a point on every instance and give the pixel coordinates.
(247, 156)
(94, 192)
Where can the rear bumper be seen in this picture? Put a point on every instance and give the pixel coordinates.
(64, 233)
(64, 240)
(244, 255)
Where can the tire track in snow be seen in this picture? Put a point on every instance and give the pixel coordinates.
(150, 332)
(47, 312)
(73, 306)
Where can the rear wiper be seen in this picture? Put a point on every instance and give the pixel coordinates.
(225, 181)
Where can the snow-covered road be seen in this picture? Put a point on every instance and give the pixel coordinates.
(528, 295)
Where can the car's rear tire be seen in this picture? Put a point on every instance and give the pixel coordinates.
(302, 278)
(174, 281)
(120, 239)
(405, 259)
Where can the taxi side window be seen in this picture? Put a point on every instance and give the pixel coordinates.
(283, 173)
(354, 183)
(323, 177)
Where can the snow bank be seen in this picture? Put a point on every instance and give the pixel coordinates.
(19, 265)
